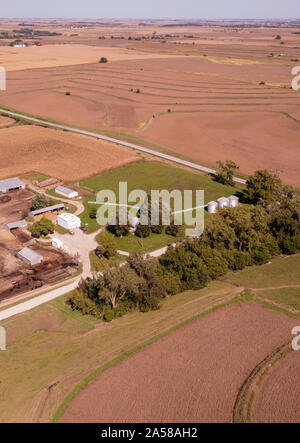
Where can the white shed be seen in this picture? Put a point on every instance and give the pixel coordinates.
(223, 202)
(212, 207)
(57, 243)
(68, 221)
(66, 192)
(233, 201)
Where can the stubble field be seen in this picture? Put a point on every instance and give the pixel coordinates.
(212, 104)
(63, 155)
(192, 375)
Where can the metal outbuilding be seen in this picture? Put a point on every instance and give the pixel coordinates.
(68, 221)
(11, 184)
(53, 208)
(66, 192)
(30, 257)
(15, 225)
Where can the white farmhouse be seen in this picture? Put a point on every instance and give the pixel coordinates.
(66, 192)
(68, 221)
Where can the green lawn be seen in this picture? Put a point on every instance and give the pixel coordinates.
(289, 297)
(152, 175)
(36, 177)
(101, 264)
(148, 175)
(282, 271)
(131, 243)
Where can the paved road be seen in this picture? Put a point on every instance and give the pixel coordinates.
(120, 142)
(39, 300)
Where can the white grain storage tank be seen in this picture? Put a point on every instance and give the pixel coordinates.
(233, 201)
(212, 207)
(223, 202)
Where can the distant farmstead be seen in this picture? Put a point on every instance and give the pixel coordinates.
(66, 192)
(11, 184)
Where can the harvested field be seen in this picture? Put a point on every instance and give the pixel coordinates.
(203, 364)
(278, 398)
(6, 121)
(225, 105)
(59, 154)
(250, 139)
(17, 59)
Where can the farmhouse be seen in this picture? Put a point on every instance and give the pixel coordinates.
(66, 192)
(11, 184)
(15, 225)
(30, 257)
(68, 221)
(55, 208)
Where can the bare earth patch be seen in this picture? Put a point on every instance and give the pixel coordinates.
(59, 154)
(6, 121)
(191, 375)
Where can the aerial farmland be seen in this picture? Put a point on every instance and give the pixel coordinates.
(110, 322)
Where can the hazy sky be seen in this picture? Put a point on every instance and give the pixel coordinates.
(151, 8)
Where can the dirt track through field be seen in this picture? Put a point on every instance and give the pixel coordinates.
(191, 375)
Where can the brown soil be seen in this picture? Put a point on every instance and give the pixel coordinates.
(191, 375)
(6, 121)
(278, 399)
(59, 154)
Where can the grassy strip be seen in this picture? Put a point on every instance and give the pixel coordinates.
(61, 409)
(276, 308)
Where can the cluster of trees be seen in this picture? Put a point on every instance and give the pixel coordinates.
(234, 239)
(41, 201)
(136, 285)
(41, 228)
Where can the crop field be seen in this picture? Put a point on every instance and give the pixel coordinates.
(203, 364)
(196, 100)
(278, 399)
(43, 361)
(6, 121)
(59, 154)
(45, 348)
